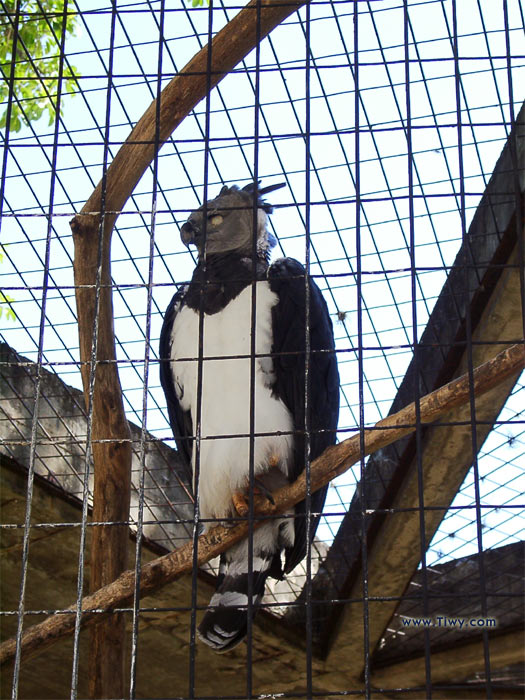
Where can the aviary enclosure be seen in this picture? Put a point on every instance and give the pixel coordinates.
(398, 128)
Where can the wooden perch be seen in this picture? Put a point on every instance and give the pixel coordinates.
(111, 450)
(334, 461)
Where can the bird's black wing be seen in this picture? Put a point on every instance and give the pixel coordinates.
(180, 420)
(287, 280)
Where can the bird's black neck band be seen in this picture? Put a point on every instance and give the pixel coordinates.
(220, 279)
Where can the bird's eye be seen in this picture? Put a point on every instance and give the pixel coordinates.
(215, 219)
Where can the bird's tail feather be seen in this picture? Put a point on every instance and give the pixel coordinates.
(225, 623)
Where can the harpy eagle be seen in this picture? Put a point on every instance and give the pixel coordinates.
(221, 290)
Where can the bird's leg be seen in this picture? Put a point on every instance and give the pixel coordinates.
(240, 498)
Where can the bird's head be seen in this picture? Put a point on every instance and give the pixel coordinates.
(226, 223)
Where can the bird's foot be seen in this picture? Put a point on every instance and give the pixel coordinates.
(261, 491)
(241, 499)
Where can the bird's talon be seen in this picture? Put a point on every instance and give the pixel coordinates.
(261, 489)
(241, 501)
(240, 504)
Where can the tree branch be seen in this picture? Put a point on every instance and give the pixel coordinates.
(334, 461)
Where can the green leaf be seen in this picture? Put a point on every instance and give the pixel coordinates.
(4, 301)
(37, 65)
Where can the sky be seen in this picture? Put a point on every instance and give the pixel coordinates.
(306, 76)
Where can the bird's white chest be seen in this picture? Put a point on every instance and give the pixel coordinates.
(227, 403)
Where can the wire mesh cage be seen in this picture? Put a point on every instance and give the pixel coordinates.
(398, 129)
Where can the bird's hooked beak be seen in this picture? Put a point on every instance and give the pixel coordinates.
(188, 232)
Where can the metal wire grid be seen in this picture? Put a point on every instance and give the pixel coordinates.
(395, 38)
(458, 597)
(331, 263)
(60, 452)
(501, 492)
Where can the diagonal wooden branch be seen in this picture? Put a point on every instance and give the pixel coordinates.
(331, 463)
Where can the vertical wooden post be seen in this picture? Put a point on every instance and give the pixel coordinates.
(111, 448)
